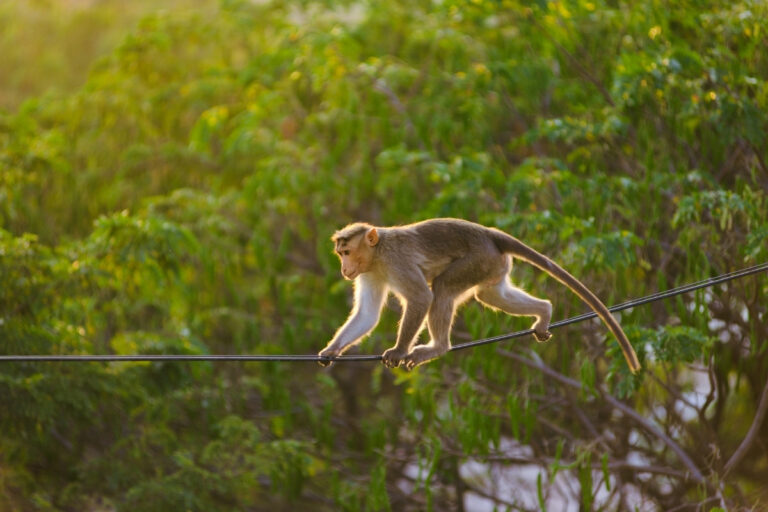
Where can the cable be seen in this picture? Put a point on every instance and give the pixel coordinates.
(706, 283)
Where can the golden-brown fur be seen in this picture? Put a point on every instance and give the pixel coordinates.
(433, 266)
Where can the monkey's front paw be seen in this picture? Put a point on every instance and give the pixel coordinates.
(328, 354)
(392, 358)
(542, 336)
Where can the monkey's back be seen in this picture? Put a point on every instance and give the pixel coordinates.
(442, 238)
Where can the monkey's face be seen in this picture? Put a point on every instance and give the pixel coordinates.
(356, 254)
(354, 260)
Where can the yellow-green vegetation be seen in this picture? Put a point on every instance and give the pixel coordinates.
(169, 180)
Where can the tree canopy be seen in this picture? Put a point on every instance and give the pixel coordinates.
(169, 181)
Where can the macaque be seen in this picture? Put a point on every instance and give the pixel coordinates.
(433, 267)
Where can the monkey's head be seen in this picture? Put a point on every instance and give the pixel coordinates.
(355, 246)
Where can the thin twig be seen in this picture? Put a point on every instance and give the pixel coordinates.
(573, 61)
(381, 86)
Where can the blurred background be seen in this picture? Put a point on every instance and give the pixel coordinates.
(170, 175)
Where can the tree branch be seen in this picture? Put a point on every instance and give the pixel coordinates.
(597, 466)
(762, 408)
(650, 427)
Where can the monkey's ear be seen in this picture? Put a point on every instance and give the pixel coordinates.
(372, 237)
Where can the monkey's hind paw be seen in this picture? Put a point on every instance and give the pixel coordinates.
(420, 355)
(410, 363)
(415, 359)
(542, 336)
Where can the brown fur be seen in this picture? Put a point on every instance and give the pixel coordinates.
(433, 266)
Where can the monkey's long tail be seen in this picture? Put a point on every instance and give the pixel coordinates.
(509, 244)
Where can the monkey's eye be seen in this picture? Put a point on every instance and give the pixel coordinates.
(345, 253)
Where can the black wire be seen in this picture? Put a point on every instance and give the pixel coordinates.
(706, 283)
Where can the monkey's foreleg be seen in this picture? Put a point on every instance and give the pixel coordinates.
(369, 299)
(354, 329)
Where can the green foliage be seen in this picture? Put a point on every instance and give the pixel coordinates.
(585, 479)
(169, 180)
(681, 343)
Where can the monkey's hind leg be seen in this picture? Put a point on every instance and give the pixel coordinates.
(515, 301)
(449, 289)
(439, 324)
(415, 308)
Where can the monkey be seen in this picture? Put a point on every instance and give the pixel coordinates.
(433, 266)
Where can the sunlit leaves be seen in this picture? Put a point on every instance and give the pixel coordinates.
(615, 250)
(151, 242)
(181, 202)
(207, 126)
(721, 205)
(723, 215)
(571, 130)
(26, 267)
